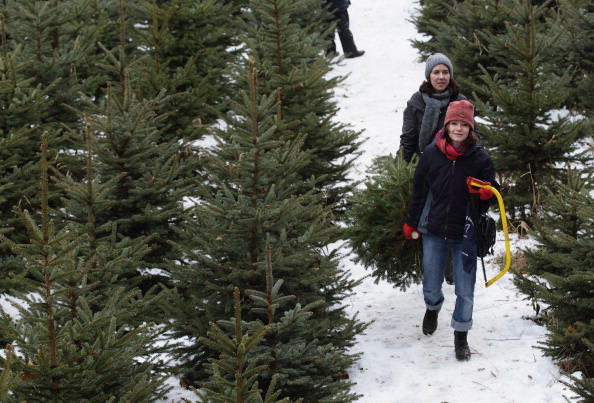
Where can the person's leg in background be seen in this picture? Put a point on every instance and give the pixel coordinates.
(346, 36)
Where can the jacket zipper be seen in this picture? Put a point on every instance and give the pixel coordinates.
(445, 229)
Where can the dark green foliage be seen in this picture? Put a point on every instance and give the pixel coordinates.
(254, 199)
(578, 24)
(7, 378)
(22, 103)
(60, 39)
(513, 55)
(118, 258)
(73, 343)
(584, 386)
(560, 275)
(288, 51)
(185, 50)
(375, 223)
(192, 41)
(526, 140)
(289, 356)
(154, 174)
(50, 57)
(235, 373)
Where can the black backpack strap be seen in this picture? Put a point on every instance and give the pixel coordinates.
(477, 230)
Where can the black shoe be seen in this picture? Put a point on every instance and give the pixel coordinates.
(430, 321)
(356, 53)
(461, 346)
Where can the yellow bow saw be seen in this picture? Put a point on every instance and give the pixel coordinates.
(470, 181)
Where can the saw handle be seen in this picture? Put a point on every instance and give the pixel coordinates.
(470, 181)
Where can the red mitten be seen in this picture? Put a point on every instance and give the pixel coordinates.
(410, 232)
(485, 194)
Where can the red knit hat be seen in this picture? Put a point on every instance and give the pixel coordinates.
(462, 111)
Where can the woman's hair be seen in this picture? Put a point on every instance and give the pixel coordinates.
(471, 139)
(453, 86)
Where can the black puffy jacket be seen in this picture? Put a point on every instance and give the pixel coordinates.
(445, 181)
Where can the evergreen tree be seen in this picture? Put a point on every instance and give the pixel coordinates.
(578, 23)
(584, 386)
(426, 19)
(60, 37)
(72, 343)
(237, 362)
(291, 359)
(192, 43)
(155, 170)
(50, 57)
(116, 256)
(378, 212)
(22, 104)
(7, 378)
(560, 274)
(288, 52)
(259, 200)
(462, 30)
(526, 140)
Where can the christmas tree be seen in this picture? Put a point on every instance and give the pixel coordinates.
(253, 198)
(560, 274)
(22, 104)
(60, 38)
(288, 51)
(72, 343)
(375, 223)
(7, 378)
(117, 256)
(193, 45)
(524, 135)
(578, 22)
(237, 361)
(154, 170)
(191, 64)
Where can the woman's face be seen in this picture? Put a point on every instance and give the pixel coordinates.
(440, 77)
(458, 132)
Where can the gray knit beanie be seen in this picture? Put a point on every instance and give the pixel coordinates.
(436, 59)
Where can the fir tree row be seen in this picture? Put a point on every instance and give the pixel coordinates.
(138, 234)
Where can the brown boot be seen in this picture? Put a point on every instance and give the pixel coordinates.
(461, 346)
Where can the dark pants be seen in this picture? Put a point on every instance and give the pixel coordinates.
(344, 33)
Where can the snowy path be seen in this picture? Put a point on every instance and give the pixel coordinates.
(399, 363)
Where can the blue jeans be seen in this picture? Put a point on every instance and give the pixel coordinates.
(435, 255)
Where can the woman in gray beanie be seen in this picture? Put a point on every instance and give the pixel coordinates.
(425, 111)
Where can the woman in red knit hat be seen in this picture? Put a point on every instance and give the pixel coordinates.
(444, 165)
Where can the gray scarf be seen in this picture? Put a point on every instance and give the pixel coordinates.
(434, 103)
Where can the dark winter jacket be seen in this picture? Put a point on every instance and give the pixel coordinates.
(338, 5)
(413, 117)
(445, 181)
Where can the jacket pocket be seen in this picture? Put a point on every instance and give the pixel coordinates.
(425, 214)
